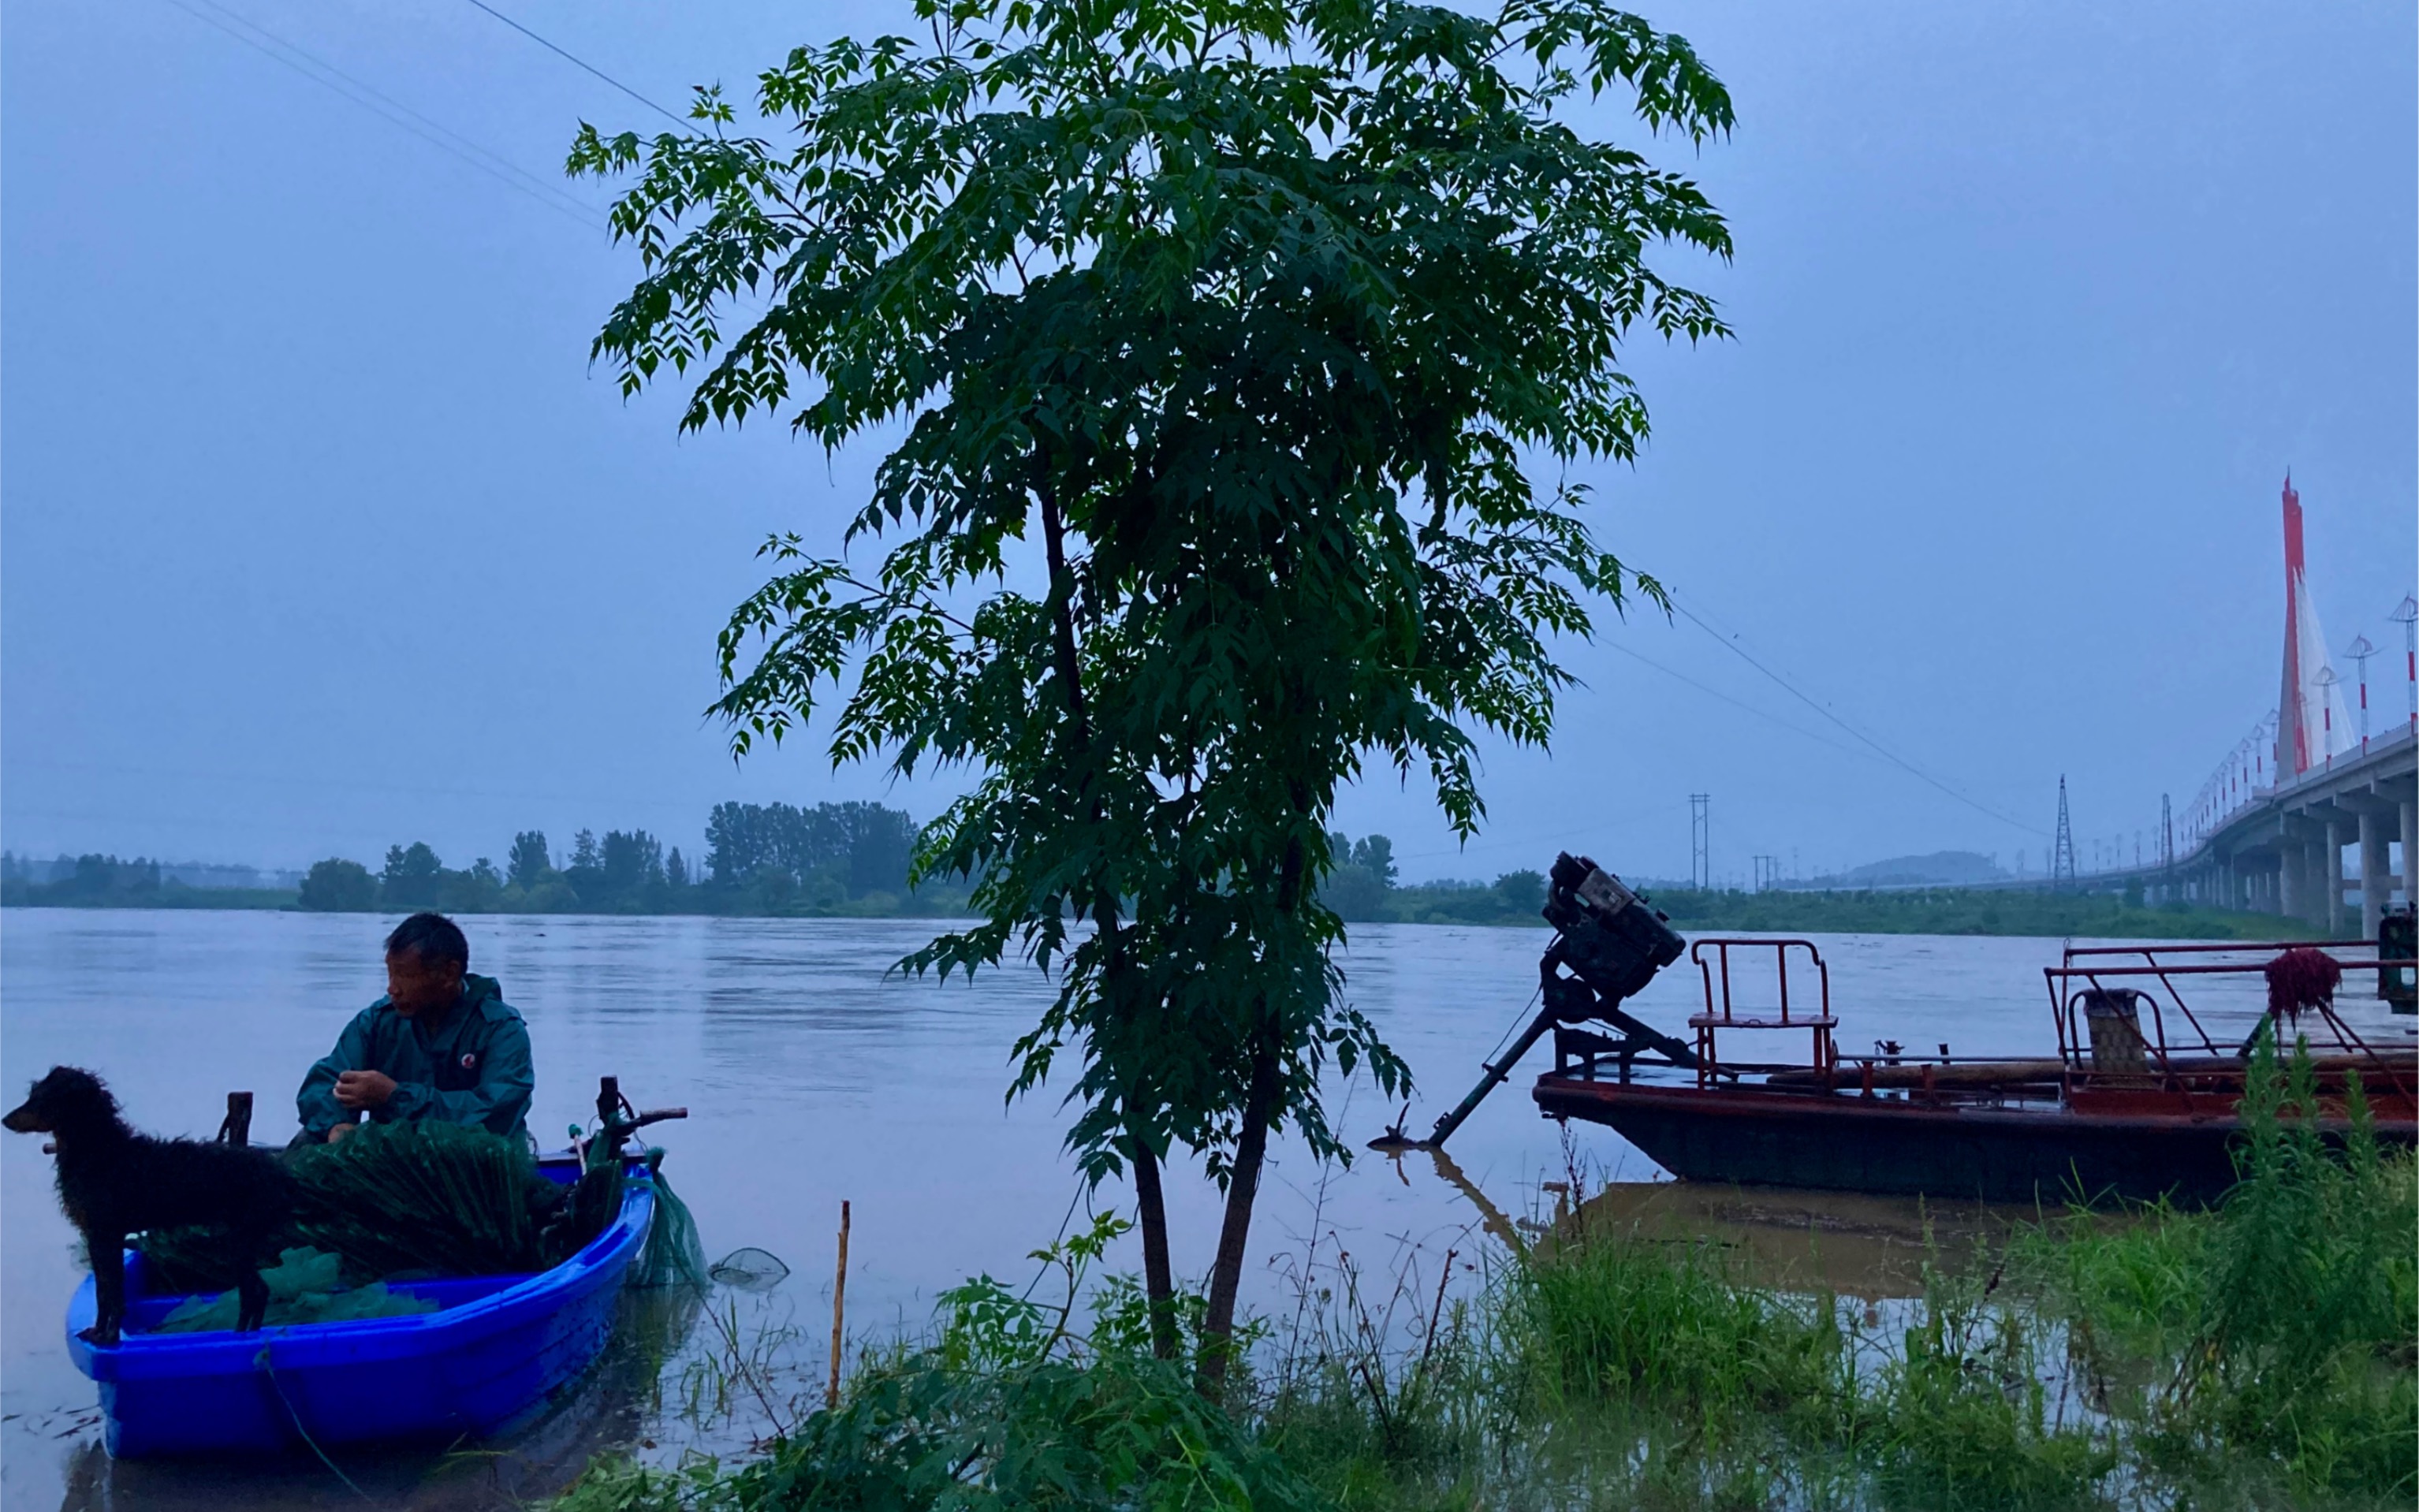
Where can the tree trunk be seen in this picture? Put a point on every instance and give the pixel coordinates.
(1062, 611)
(1234, 1234)
(1158, 1275)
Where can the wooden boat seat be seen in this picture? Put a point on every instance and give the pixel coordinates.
(1715, 1021)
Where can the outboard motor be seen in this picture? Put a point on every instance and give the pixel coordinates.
(1613, 942)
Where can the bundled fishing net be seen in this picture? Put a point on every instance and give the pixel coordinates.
(674, 1255)
(393, 1201)
(305, 1285)
(2302, 978)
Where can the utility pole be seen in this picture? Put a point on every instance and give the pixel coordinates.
(2406, 614)
(2359, 650)
(1701, 848)
(2061, 859)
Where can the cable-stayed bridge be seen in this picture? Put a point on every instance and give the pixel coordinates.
(2328, 772)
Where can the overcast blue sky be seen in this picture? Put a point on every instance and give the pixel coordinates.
(317, 532)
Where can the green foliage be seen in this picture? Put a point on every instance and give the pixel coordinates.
(2283, 1334)
(1252, 312)
(528, 865)
(2260, 1356)
(336, 886)
(1617, 1316)
(833, 851)
(1013, 1405)
(412, 876)
(1522, 892)
(1958, 911)
(2263, 1354)
(1962, 1415)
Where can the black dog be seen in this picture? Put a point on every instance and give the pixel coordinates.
(114, 1183)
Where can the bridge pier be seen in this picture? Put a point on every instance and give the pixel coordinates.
(2373, 875)
(2409, 850)
(2283, 850)
(2332, 877)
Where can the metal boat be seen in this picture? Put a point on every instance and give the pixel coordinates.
(2140, 1101)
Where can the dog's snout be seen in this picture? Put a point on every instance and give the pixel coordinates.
(21, 1119)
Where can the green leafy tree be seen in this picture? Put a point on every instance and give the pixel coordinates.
(1376, 852)
(1353, 889)
(1521, 892)
(411, 877)
(630, 863)
(1256, 315)
(339, 887)
(527, 864)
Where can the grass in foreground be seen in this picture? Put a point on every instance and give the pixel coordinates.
(2264, 1355)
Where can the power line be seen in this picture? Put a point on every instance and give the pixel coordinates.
(1800, 731)
(1885, 752)
(384, 106)
(580, 63)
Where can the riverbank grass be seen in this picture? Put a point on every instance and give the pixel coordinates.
(2262, 1355)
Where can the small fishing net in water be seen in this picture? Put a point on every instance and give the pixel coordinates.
(397, 1200)
(305, 1285)
(750, 1270)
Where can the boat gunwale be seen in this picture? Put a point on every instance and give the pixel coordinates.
(162, 1356)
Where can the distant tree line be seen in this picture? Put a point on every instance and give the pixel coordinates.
(97, 881)
(761, 859)
(850, 858)
(1365, 889)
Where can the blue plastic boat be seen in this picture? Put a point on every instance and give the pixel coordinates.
(496, 1348)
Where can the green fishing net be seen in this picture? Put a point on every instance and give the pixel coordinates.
(674, 1255)
(399, 1201)
(305, 1285)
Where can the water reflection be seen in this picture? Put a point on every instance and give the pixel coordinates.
(1849, 1243)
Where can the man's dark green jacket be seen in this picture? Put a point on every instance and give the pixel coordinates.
(473, 1070)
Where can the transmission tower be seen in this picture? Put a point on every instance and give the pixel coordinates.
(2168, 844)
(1701, 850)
(2061, 860)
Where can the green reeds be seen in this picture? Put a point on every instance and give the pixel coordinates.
(2261, 1355)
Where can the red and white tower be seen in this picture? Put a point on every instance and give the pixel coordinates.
(2312, 721)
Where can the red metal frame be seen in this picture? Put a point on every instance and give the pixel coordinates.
(1716, 1018)
(2073, 1043)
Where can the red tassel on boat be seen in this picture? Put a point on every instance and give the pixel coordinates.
(2302, 978)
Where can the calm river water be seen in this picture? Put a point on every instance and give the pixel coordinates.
(812, 1077)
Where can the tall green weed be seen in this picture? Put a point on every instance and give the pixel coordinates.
(2263, 1354)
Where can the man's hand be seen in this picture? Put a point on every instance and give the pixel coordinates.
(358, 1091)
(341, 1132)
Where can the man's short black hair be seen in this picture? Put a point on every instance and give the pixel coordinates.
(432, 937)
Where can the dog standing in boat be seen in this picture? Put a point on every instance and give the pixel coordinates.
(114, 1182)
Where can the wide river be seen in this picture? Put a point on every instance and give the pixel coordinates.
(812, 1077)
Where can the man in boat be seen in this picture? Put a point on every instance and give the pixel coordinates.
(442, 1044)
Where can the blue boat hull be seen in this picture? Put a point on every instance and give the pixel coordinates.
(498, 1347)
